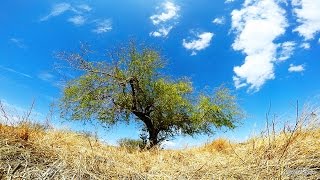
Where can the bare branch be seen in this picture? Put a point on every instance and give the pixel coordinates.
(28, 113)
(3, 111)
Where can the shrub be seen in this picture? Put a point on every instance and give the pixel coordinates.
(132, 144)
(219, 145)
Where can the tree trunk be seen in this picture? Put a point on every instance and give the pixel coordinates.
(153, 132)
(153, 137)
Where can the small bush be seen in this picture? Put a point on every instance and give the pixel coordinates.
(219, 145)
(132, 144)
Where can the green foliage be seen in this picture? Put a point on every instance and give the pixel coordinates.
(131, 86)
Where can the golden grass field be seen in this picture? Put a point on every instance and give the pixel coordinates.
(29, 151)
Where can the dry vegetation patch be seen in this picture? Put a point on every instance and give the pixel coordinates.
(33, 151)
(48, 153)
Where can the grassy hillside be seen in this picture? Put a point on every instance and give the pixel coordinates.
(32, 152)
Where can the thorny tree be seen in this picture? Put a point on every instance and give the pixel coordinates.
(130, 87)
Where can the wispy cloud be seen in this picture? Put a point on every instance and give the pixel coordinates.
(77, 20)
(296, 68)
(84, 7)
(287, 49)
(305, 45)
(308, 15)
(162, 32)
(228, 1)
(77, 10)
(219, 20)
(257, 25)
(18, 42)
(165, 20)
(14, 71)
(202, 42)
(78, 17)
(57, 10)
(46, 76)
(103, 26)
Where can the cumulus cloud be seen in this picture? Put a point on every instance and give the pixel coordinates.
(220, 20)
(202, 42)
(308, 16)
(77, 20)
(296, 68)
(287, 49)
(170, 12)
(57, 10)
(257, 25)
(165, 20)
(103, 26)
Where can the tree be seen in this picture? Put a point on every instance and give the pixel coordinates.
(131, 86)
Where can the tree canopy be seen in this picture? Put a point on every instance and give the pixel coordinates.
(131, 86)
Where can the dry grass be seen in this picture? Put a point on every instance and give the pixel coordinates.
(218, 145)
(31, 152)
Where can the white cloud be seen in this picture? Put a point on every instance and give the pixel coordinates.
(77, 20)
(57, 10)
(203, 41)
(229, 1)
(170, 12)
(18, 42)
(103, 26)
(162, 32)
(308, 15)
(305, 45)
(46, 76)
(287, 49)
(84, 7)
(297, 68)
(14, 71)
(257, 25)
(238, 83)
(220, 20)
(165, 20)
(61, 8)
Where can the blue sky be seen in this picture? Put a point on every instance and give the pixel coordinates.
(265, 51)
